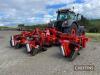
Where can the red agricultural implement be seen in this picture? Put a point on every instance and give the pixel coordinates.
(40, 40)
(18, 40)
(65, 32)
(71, 44)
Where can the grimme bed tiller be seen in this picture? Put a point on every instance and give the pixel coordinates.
(18, 41)
(65, 33)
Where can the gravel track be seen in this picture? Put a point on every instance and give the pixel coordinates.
(51, 62)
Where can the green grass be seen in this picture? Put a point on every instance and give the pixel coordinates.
(95, 37)
(2, 27)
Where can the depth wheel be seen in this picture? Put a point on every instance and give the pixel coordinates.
(73, 55)
(43, 49)
(34, 51)
(17, 46)
(11, 43)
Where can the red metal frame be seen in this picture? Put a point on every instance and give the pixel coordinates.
(52, 36)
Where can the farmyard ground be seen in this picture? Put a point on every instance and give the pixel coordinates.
(17, 62)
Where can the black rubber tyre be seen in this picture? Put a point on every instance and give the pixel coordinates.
(69, 30)
(11, 43)
(73, 55)
(34, 51)
(81, 30)
(73, 30)
(17, 46)
(43, 49)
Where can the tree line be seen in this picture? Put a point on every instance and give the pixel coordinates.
(92, 26)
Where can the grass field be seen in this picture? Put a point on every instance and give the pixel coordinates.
(2, 27)
(94, 36)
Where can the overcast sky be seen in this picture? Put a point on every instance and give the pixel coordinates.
(13, 12)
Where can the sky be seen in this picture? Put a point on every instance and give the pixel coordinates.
(13, 12)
